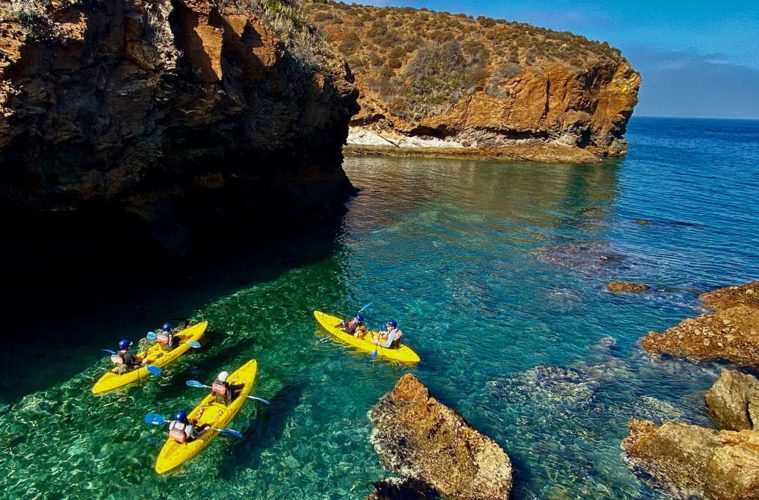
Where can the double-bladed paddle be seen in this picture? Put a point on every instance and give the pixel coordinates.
(200, 385)
(155, 419)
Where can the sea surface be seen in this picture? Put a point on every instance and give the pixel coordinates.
(497, 274)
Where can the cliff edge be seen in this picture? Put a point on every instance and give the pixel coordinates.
(437, 84)
(196, 112)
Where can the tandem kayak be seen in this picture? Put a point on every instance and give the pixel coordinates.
(214, 414)
(155, 355)
(404, 354)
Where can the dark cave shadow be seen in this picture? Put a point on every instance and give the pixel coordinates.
(75, 286)
(261, 433)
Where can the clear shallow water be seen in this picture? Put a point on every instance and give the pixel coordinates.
(497, 275)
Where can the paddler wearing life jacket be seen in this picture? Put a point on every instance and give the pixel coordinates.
(181, 429)
(165, 338)
(391, 337)
(354, 326)
(223, 391)
(124, 359)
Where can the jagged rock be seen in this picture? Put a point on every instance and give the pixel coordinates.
(591, 258)
(731, 296)
(733, 401)
(731, 333)
(403, 489)
(495, 95)
(690, 460)
(191, 111)
(416, 436)
(626, 286)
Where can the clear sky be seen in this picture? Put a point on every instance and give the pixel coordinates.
(697, 58)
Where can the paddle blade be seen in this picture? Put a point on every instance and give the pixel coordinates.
(151, 336)
(195, 383)
(256, 398)
(154, 419)
(154, 370)
(375, 354)
(365, 306)
(109, 351)
(231, 433)
(194, 345)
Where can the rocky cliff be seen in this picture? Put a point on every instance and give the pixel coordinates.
(196, 112)
(441, 84)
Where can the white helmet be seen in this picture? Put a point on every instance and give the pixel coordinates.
(223, 376)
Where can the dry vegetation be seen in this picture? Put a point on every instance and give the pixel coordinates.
(419, 61)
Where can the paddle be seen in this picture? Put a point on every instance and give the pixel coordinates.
(154, 370)
(109, 351)
(363, 308)
(200, 385)
(376, 346)
(155, 419)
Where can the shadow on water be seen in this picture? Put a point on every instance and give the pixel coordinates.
(263, 432)
(74, 285)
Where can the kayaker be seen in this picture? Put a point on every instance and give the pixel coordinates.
(391, 337)
(181, 429)
(223, 391)
(124, 359)
(165, 338)
(354, 326)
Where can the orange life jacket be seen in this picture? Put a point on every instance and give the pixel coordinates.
(219, 388)
(162, 338)
(178, 434)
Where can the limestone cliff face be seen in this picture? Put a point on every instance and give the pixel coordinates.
(450, 82)
(177, 109)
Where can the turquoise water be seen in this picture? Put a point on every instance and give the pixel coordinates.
(495, 272)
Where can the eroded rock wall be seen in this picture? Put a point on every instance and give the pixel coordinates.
(188, 110)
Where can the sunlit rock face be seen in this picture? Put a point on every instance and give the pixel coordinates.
(189, 112)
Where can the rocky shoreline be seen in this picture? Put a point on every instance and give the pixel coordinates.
(690, 460)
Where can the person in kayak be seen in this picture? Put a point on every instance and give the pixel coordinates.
(183, 430)
(354, 326)
(223, 391)
(390, 338)
(165, 338)
(124, 359)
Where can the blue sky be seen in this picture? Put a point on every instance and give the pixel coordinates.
(697, 58)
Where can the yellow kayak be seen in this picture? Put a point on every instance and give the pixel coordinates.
(217, 415)
(155, 355)
(404, 354)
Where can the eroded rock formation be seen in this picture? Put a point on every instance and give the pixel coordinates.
(190, 110)
(437, 84)
(626, 286)
(692, 460)
(417, 437)
(731, 333)
(733, 401)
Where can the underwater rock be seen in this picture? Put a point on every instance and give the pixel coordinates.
(418, 437)
(733, 401)
(403, 489)
(651, 408)
(548, 385)
(693, 461)
(626, 286)
(590, 258)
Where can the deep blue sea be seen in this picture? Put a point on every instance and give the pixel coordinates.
(497, 274)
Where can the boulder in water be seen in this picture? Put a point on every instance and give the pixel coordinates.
(733, 401)
(731, 333)
(548, 385)
(626, 286)
(693, 461)
(418, 437)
